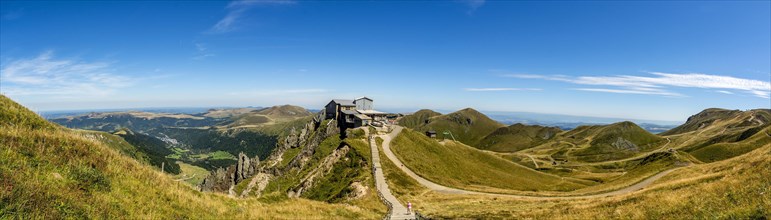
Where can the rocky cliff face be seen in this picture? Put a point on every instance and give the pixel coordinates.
(222, 180)
(308, 137)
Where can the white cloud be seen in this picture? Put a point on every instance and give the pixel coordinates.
(659, 82)
(499, 89)
(625, 91)
(47, 76)
(278, 92)
(725, 92)
(236, 9)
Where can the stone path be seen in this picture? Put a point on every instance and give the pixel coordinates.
(397, 210)
(443, 189)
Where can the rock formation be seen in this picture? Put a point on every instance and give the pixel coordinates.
(221, 180)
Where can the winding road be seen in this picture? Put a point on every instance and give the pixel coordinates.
(396, 209)
(443, 189)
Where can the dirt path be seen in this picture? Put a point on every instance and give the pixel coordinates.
(396, 209)
(533, 159)
(443, 189)
(660, 149)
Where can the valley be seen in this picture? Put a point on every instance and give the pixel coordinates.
(474, 167)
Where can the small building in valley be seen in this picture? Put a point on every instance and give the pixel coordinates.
(431, 134)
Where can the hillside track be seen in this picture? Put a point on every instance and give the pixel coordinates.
(387, 138)
(397, 210)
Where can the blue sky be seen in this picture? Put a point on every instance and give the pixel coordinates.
(644, 60)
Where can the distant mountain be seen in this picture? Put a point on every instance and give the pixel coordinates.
(713, 116)
(517, 137)
(227, 112)
(554, 119)
(717, 134)
(467, 125)
(284, 111)
(234, 130)
(418, 118)
(564, 122)
(614, 141)
(268, 116)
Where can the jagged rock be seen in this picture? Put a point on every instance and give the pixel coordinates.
(358, 190)
(243, 162)
(217, 181)
(222, 180)
(621, 143)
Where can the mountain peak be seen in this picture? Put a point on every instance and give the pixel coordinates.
(284, 111)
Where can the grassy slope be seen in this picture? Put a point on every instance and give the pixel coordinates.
(467, 125)
(601, 146)
(722, 151)
(334, 186)
(696, 192)
(517, 137)
(51, 172)
(193, 175)
(464, 167)
(418, 118)
(703, 118)
(716, 134)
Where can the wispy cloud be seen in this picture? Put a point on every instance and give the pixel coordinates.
(500, 89)
(473, 5)
(724, 92)
(279, 92)
(632, 91)
(48, 76)
(202, 52)
(659, 82)
(237, 9)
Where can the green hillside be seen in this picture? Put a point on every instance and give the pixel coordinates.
(517, 137)
(51, 172)
(467, 126)
(712, 116)
(608, 142)
(418, 118)
(717, 134)
(456, 165)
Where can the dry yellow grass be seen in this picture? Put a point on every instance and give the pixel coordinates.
(738, 188)
(49, 172)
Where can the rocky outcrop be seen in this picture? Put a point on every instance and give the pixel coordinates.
(310, 146)
(294, 139)
(222, 180)
(308, 137)
(324, 167)
(217, 181)
(625, 144)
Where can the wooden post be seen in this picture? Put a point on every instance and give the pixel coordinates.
(162, 164)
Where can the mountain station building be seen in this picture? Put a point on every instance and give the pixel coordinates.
(354, 113)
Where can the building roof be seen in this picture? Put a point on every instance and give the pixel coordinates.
(349, 112)
(356, 114)
(344, 102)
(364, 97)
(371, 112)
(362, 117)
